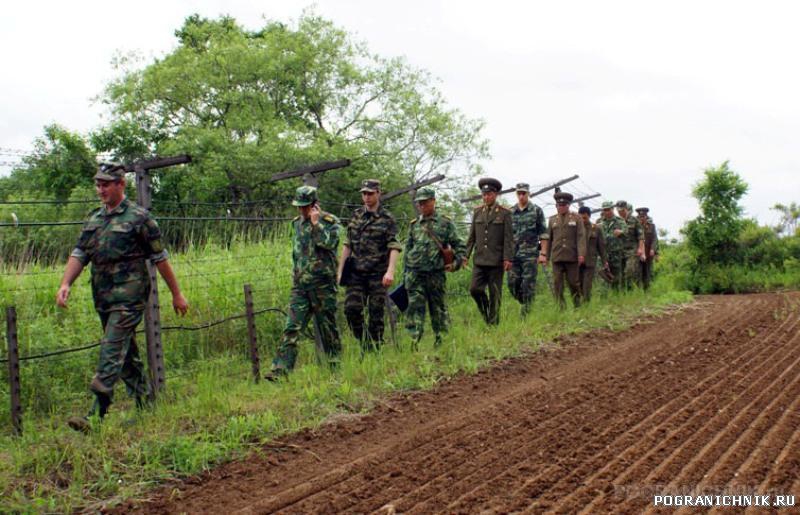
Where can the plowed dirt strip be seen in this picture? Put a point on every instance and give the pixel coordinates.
(704, 399)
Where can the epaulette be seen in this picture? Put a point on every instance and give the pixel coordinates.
(413, 221)
(296, 218)
(501, 207)
(329, 218)
(447, 218)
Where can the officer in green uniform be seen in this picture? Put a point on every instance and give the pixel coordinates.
(565, 248)
(118, 239)
(614, 229)
(595, 248)
(633, 243)
(529, 228)
(371, 243)
(315, 244)
(491, 236)
(650, 246)
(430, 237)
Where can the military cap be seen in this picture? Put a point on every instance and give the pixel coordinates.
(110, 172)
(370, 185)
(425, 193)
(584, 209)
(642, 210)
(488, 184)
(621, 203)
(608, 204)
(562, 197)
(523, 186)
(304, 196)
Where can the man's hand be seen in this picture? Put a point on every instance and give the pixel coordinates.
(606, 266)
(507, 265)
(179, 304)
(388, 279)
(314, 215)
(62, 296)
(465, 263)
(581, 260)
(451, 267)
(652, 253)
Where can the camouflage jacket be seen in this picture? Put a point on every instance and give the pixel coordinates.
(370, 237)
(422, 254)
(633, 235)
(529, 228)
(314, 251)
(117, 243)
(614, 244)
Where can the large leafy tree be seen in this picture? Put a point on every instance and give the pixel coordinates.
(247, 104)
(713, 236)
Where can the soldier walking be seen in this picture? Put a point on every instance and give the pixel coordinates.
(650, 246)
(315, 243)
(433, 248)
(565, 248)
(614, 229)
(529, 228)
(491, 236)
(118, 239)
(633, 244)
(595, 248)
(371, 244)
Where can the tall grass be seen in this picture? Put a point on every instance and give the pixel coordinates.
(211, 410)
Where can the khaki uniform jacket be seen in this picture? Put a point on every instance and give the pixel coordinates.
(491, 235)
(595, 245)
(650, 237)
(567, 236)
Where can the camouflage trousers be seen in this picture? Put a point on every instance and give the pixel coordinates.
(587, 281)
(119, 356)
(319, 303)
(616, 264)
(570, 271)
(632, 270)
(426, 288)
(522, 281)
(490, 277)
(367, 290)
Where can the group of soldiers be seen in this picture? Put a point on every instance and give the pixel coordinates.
(120, 237)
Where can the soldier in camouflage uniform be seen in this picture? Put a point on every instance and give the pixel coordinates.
(650, 246)
(424, 266)
(595, 248)
(118, 239)
(529, 228)
(371, 241)
(633, 243)
(614, 229)
(315, 243)
(491, 235)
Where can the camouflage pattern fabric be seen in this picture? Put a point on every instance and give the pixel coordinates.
(367, 290)
(320, 303)
(529, 228)
(426, 288)
(633, 235)
(119, 356)
(370, 237)
(422, 254)
(615, 247)
(117, 244)
(314, 251)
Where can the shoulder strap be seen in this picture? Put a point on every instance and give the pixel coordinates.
(436, 240)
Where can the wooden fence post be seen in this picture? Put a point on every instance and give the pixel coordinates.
(251, 332)
(152, 314)
(13, 369)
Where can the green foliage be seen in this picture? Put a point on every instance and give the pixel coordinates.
(246, 104)
(61, 161)
(790, 216)
(713, 235)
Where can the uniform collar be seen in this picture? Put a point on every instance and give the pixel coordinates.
(117, 210)
(527, 207)
(367, 213)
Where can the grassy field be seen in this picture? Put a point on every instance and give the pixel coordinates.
(211, 410)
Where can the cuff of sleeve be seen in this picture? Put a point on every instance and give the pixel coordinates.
(80, 256)
(395, 246)
(161, 256)
(544, 237)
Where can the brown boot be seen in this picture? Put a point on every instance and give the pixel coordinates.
(80, 424)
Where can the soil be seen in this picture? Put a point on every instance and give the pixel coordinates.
(703, 400)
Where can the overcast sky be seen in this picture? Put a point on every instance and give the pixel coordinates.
(636, 97)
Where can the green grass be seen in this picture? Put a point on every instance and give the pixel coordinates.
(211, 411)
